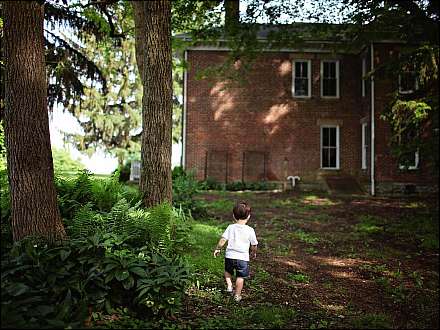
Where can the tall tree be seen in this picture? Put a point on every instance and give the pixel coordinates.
(153, 54)
(110, 121)
(30, 168)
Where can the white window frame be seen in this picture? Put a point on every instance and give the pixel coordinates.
(412, 167)
(309, 78)
(364, 146)
(337, 147)
(322, 79)
(364, 72)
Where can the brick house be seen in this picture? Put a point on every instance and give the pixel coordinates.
(304, 112)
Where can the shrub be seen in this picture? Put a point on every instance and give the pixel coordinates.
(211, 184)
(101, 194)
(184, 188)
(45, 286)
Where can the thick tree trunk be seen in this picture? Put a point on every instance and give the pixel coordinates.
(232, 15)
(30, 168)
(153, 22)
(139, 34)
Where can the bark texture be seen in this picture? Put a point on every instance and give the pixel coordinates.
(232, 15)
(34, 205)
(153, 48)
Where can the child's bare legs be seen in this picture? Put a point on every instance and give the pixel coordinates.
(228, 278)
(239, 285)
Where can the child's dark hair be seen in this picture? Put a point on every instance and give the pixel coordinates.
(241, 211)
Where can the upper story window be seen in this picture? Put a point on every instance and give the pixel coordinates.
(302, 82)
(364, 72)
(330, 79)
(408, 80)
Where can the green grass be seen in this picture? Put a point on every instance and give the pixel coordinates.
(205, 237)
(305, 237)
(372, 321)
(263, 316)
(322, 217)
(318, 201)
(219, 205)
(422, 228)
(298, 277)
(369, 225)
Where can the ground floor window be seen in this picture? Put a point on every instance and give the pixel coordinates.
(409, 161)
(365, 143)
(330, 147)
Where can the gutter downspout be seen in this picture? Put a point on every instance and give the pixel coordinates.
(373, 183)
(185, 87)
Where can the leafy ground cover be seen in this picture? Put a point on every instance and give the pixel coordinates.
(323, 261)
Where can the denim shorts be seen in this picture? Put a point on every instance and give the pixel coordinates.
(241, 267)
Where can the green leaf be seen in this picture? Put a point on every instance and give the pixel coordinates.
(128, 283)
(109, 277)
(122, 275)
(109, 267)
(44, 310)
(65, 254)
(138, 271)
(17, 289)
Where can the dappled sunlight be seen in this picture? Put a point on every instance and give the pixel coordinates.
(225, 106)
(340, 262)
(275, 113)
(332, 308)
(320, 253)
(415, 205)
(340, 274)
(218, 89)
(224, 100)
(285, 68)
(319, 201)
(295, 264)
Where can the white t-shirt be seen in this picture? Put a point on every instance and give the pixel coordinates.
(239, 238)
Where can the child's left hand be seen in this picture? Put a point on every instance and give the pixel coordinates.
(216, 252)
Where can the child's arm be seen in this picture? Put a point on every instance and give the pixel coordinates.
(220, 244)
(254, 251)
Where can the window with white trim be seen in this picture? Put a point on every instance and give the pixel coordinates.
(365, 143)
(330, 78)
(409, 161)
(364, 72)
(302, 82)
(408, 80)
(330, 147)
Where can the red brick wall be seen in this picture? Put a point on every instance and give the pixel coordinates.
(387, 169)
(263, 116)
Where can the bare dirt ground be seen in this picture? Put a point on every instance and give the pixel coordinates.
(328, 262)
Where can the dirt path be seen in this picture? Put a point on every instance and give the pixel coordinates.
(330, 262)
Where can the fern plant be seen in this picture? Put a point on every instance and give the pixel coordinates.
(86, 222)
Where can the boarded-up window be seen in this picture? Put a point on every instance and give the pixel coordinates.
(216, 165)
(254, 166)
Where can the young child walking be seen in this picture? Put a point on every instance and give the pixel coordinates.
(240, 237)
